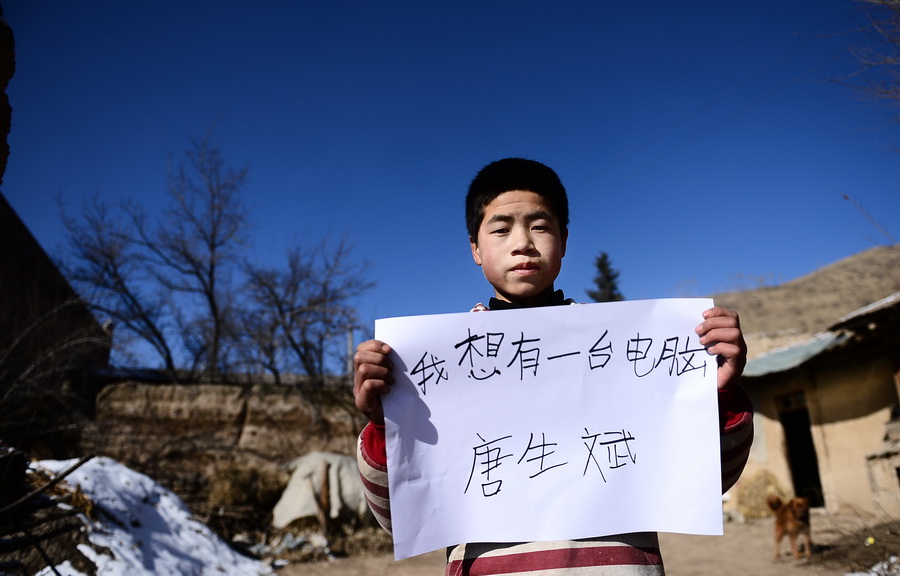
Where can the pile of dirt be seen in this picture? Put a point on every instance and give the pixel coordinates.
(753, 491)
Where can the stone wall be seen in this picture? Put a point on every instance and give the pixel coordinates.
(183, 435)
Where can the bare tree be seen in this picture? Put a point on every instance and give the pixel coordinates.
(877, 53)
(109, 271)
(878, 56)
(177, 282)
(166, 281)
(194, 249)
(299, 315)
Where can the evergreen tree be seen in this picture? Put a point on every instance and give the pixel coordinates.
(606, 280)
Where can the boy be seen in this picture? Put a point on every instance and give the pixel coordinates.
(517, 218)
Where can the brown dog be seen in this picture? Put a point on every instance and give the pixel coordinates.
(792, 519)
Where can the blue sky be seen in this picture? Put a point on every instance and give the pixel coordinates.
(703, 144)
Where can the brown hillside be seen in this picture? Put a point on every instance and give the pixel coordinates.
(777, 315)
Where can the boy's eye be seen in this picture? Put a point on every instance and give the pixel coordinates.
(500, 231)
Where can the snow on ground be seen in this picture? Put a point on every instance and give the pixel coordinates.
(140, 528)
(890, 567)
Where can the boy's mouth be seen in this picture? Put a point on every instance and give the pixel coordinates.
(526, 268)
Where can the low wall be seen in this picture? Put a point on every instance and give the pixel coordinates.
(181, 435)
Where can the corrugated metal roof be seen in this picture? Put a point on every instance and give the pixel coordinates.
(891, 300)
(793, 356)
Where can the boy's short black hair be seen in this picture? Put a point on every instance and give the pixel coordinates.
(511, 174)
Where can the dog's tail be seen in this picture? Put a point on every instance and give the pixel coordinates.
(774, 502)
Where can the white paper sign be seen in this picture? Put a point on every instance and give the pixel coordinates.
(551, 423)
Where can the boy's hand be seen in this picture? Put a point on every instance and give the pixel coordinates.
(372, 378)
(721, 334)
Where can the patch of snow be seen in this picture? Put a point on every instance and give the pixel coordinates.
(889, 567)
(142, 529)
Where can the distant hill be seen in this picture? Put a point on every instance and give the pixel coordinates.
(775, 316)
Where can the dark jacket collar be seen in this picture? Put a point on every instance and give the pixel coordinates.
(555, 299)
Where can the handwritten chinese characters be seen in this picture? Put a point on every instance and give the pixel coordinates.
(615, 450)
(551, 423)
(484, 356)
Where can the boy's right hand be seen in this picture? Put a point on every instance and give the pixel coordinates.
(372, 378)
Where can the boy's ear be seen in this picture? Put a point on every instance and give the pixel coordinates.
(564, 236)
(476, 255)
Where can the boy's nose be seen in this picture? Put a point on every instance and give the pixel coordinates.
(522, 242)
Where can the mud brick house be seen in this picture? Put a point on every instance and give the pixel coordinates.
(825, 381)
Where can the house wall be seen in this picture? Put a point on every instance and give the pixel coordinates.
(50, 344)
(849, 399)
(883, 479)
(39, 310)
(852, 408)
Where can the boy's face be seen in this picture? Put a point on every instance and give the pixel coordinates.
(520, 247)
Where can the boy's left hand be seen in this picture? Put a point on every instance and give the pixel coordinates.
(721, 334)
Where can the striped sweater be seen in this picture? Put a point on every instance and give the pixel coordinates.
(620, 555)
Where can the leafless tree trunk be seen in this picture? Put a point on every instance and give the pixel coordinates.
(194, 249)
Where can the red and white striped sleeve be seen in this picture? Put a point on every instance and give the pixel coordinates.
(735, 433)
(371, 455)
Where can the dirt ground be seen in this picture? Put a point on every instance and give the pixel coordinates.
(839, 547)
